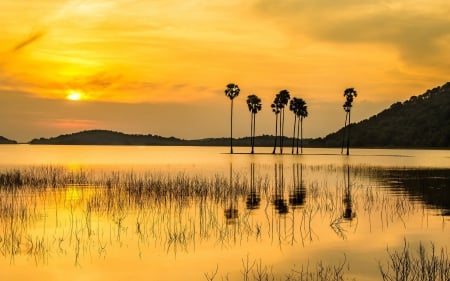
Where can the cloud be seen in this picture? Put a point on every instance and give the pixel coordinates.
(30, 39)
(417, 30)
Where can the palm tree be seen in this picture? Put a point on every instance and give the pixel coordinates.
(349, 95)
(283, 100)
(254, 105)
(300, 110)
(275, 110)
(231, 92)
(293, 107)
(302, 113)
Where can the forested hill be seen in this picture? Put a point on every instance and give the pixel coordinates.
(104, 137)
(4, 140)
(422, 121)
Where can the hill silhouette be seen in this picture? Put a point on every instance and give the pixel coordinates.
(105, 137)
(421, 121)
(4, 140)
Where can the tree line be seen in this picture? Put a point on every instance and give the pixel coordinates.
(299, 109)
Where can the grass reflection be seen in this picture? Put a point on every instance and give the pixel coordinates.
(51, 212)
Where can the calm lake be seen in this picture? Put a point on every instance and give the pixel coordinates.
(199, 213)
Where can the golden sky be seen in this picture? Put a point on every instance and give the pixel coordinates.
(162, 63)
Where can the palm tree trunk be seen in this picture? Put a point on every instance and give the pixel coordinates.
(301, 135)
(298, 134)
(293, 136)
(251, 131)
(344, 133)
(254, 130)
(231, 134)
(348, 135)
(281, 130)
(276, 133)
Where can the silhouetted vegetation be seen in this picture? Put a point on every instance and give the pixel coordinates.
(404, 265)
(104, 137)
(232, 91)
(300, 110)
(421, 121)
(254, 106)
(4, 140)
(280, 101)
(156, 207)
(349, 95)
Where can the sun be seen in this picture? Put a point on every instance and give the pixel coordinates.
(74, 95)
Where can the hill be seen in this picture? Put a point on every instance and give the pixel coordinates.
(4, 140)
(421, 121)
(104, 137)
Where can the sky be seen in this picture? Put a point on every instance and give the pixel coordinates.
(161, 67)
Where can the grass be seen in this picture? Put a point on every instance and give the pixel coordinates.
(83, 212)
(421, 265)
(257, 271)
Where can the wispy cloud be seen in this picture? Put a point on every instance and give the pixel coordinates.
(30, 39)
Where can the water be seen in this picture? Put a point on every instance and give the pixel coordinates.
(177, 213)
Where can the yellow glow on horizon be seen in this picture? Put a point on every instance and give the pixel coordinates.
(74, 95)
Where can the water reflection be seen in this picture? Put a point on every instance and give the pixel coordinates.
(297, 196)
(253, 201)
(52, 215)
(279, 201)
(430, 186)
(348, 213)
(231, 213)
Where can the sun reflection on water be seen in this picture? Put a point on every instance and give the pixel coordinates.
(117, 222)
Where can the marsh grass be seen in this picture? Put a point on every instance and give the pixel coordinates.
(256, 270)
(52, 211)
(419, 265)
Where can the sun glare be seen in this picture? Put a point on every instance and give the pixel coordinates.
(74, 95)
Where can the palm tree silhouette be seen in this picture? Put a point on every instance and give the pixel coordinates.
(275, 110)
(300, 110)
(302, 113)
(293, 107)
(231, 92)
(349, 95)
(254, 105)
(284, 98)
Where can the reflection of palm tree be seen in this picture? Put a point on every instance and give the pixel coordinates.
(298, 195)
(254, 105)
(231, 92)
(231, 213)
(348, 212)
(349, 95)
(254, 198)
(279, 202)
